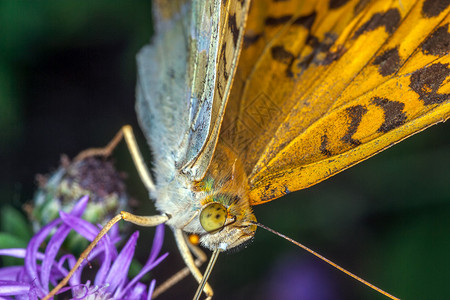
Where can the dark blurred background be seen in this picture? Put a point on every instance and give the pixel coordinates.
(67, 79)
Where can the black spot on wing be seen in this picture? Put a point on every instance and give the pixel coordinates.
(313, 41)
(276, 21)
(226, 75)
(388, 62)
(333, 56)
(307, 60)
(334, 4)
(360, 6)
(433, 8)
(393, 113)
(323, 145)
(319, 48)
(427, 81)
(234, 29)
(250, 39)
(224, 57)
(389, 20)
(355, 113)
(438, 43)
(307, 21)
(280, 54)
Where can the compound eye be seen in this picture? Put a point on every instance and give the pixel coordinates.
(213, 217)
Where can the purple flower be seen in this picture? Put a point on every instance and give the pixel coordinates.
(32, 280)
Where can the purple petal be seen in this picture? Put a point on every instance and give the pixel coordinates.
(74, 280)
(14, 252)
(51, 251)
(32, 249)
(80, 206)
(145, 269)
(71, 260)
(23, 276)
(76, 290)
(86, 229)
(32, 295)
(157, 242)
(28, 285)
(151, 289)
(105, 265)
(109, 255)
(8, 273)
(90, 231)
(19, 253)
(119, 270)
(57, 239)
(114, 233)
(10, 288)
(36, 241)
(138, 292)
(150, 264)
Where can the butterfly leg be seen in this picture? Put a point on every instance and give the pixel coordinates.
(104, 151)
(125, 132)
(189, 261)
(200, 259)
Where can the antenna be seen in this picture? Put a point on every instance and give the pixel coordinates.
(326, 260)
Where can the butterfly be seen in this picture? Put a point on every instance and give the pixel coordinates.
(243, 103)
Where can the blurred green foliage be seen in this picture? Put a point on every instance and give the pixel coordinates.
(15, 232)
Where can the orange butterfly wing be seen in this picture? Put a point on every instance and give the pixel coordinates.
(322, 86)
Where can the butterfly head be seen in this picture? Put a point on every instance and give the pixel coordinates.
(225, 214)
(228, 221)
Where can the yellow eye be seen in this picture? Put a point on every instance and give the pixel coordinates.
(213, 217)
